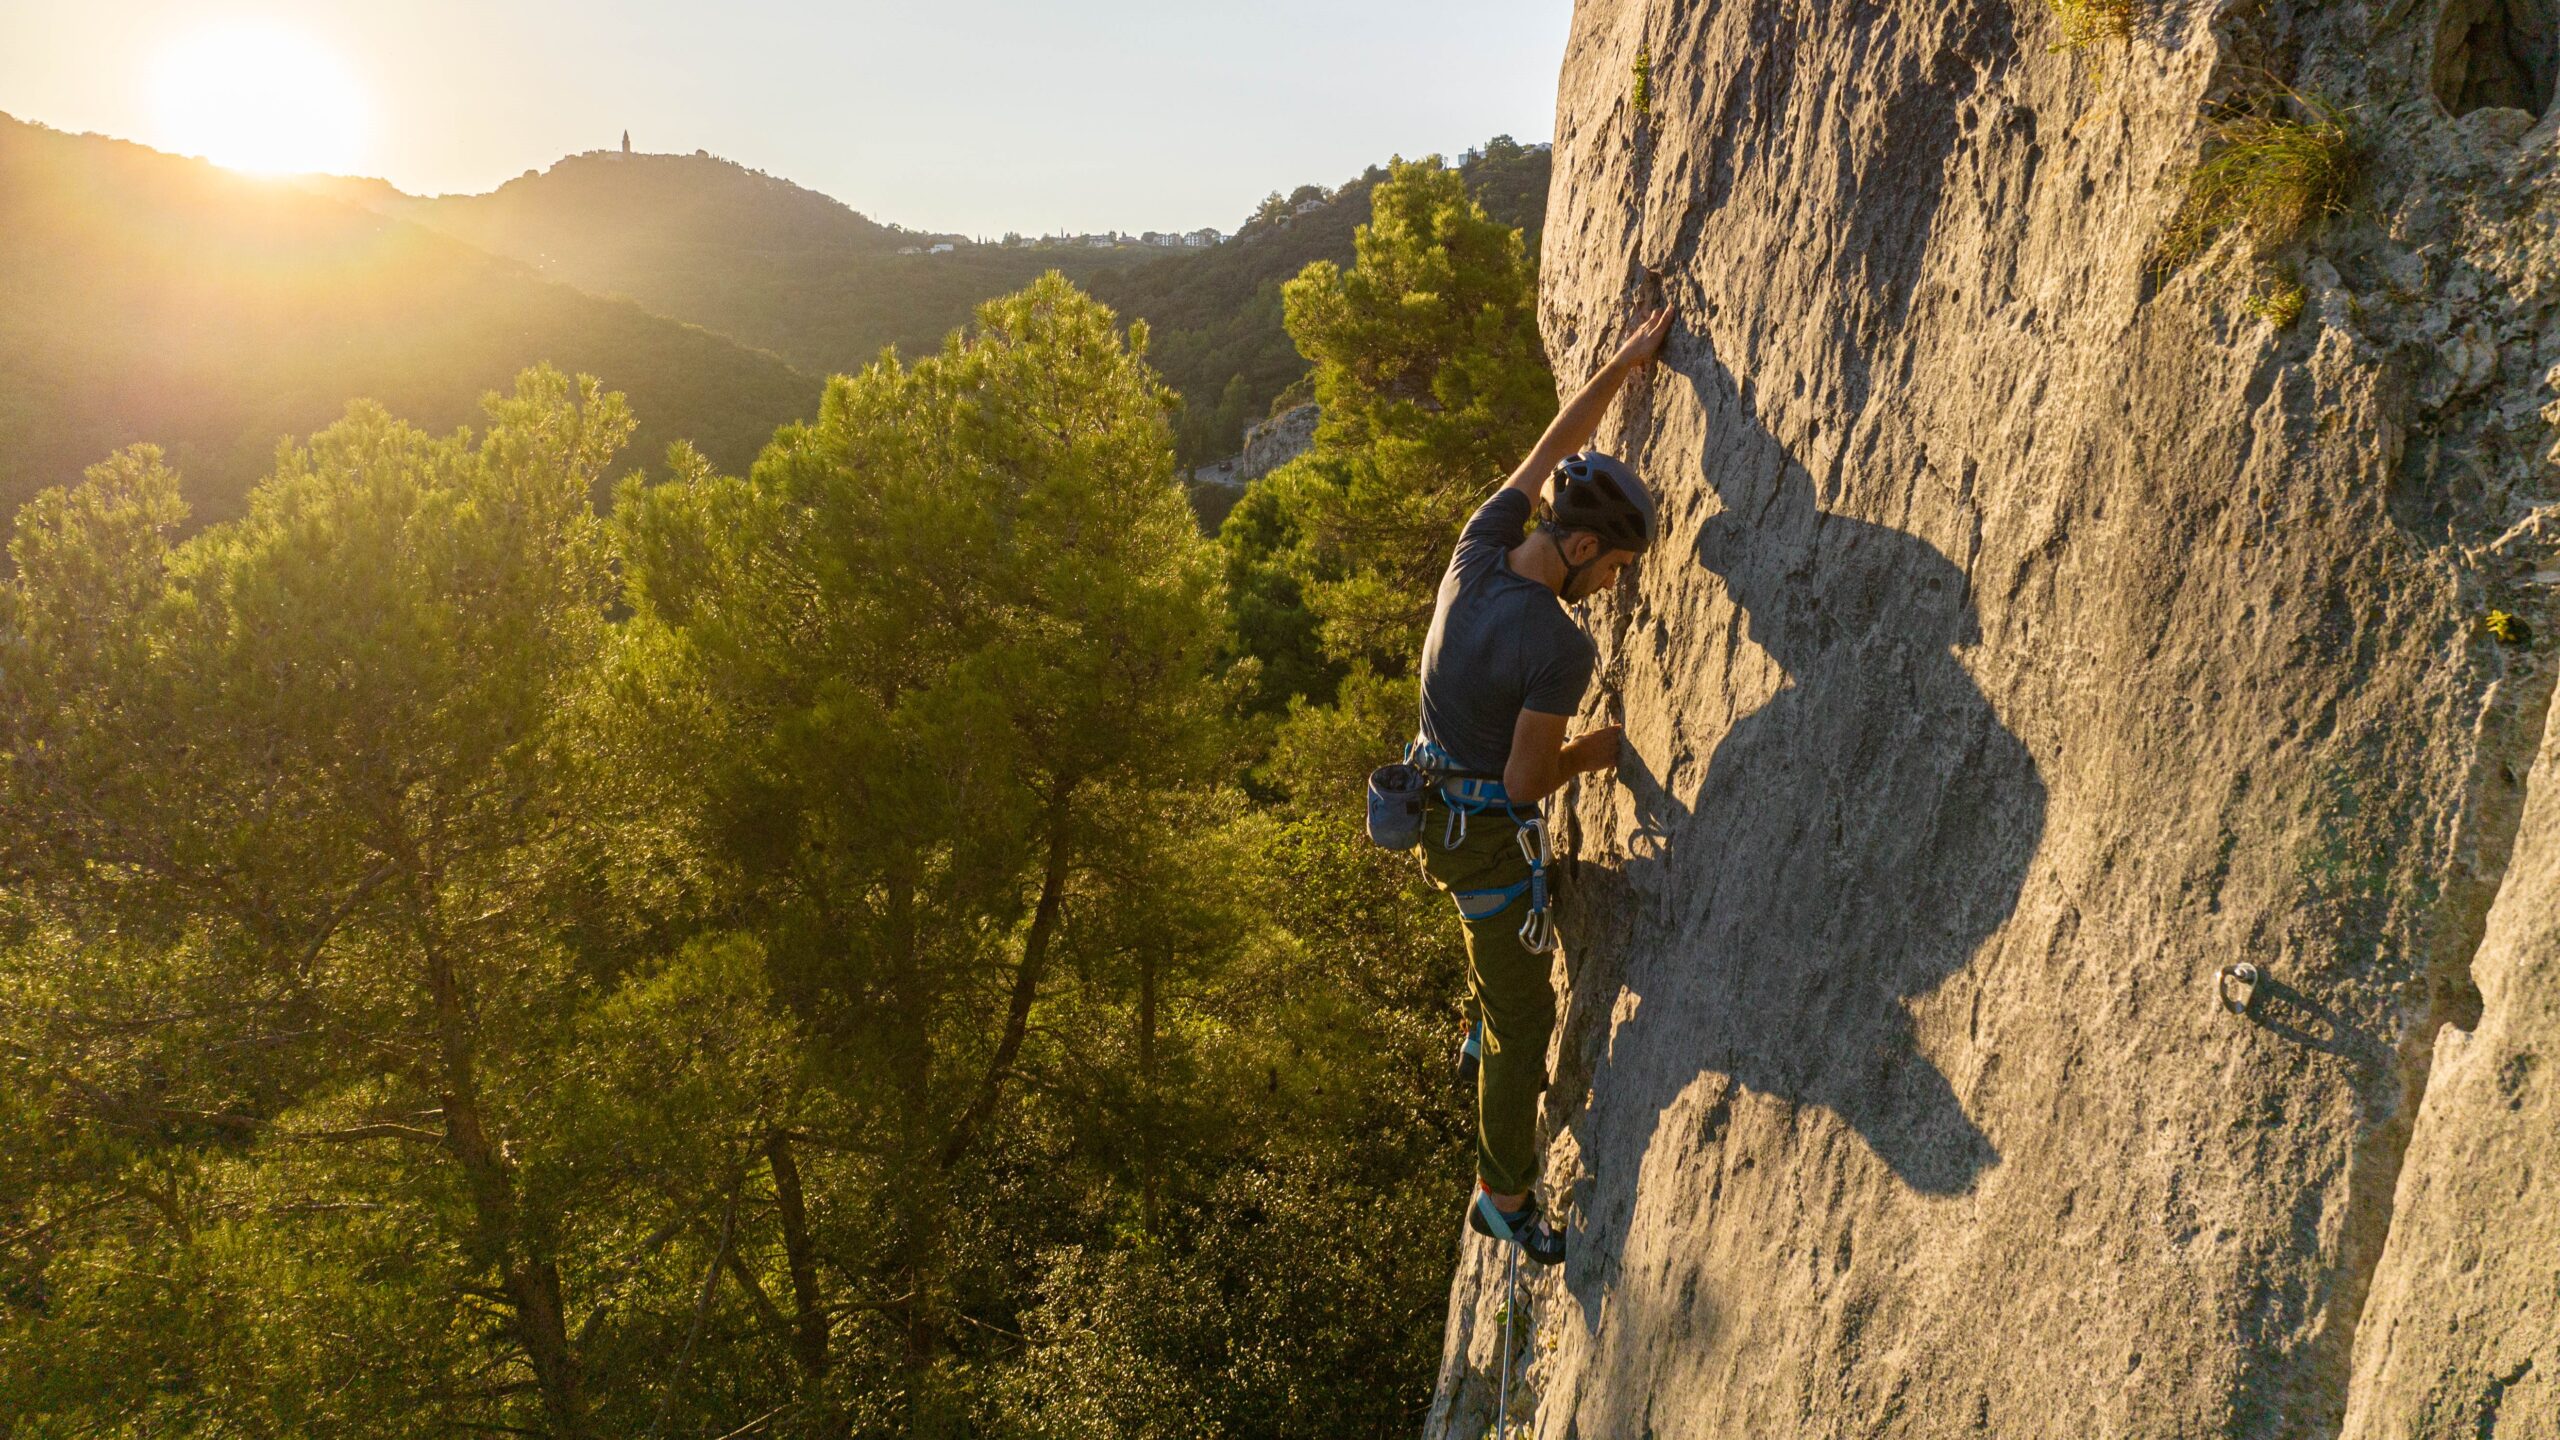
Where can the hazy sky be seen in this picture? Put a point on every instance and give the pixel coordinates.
(972, 115)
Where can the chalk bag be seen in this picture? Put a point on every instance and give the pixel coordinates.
(1395, 805)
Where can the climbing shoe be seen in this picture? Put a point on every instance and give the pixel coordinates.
(1471, 1056)
(1537, 1238)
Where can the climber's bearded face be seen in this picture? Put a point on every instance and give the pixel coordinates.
(1601, 574)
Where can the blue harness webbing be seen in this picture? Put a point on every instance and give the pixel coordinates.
(1466, 796)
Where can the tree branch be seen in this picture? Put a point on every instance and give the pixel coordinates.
(38, 1231)
(1026, 981)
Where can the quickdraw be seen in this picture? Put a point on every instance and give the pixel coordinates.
(1538, 932)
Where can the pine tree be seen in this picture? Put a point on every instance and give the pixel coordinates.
(1432, 383)
(939, 665)
(284, 820)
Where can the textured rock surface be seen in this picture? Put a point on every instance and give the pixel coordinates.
(2030, 639)
(2462, 1334)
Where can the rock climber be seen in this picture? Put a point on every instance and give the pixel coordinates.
(1503, 671)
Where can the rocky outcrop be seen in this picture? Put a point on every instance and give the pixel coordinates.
(2037, 632)
(1268, 445)
(1277, 441)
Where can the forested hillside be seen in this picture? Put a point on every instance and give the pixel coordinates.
(161, 299)
(752, 256)
(784, 268)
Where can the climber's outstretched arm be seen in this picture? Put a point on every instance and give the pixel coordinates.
(1580, 418)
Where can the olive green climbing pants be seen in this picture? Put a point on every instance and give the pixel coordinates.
(1508, 990)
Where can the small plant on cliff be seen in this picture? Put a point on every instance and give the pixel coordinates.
(2267, 174)
(1641, 96)
(2279, 300)
(2087, 22)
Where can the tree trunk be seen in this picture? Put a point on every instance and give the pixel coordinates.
(1026, 979)
(1147, 1167)
(916, 1195)
(809, 1323)
(532, 1280)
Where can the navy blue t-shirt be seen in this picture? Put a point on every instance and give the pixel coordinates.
(1499, 644)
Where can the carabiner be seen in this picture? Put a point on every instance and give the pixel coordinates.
(1538, 932)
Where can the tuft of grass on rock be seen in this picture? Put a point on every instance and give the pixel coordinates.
(2088, 22)
(2278, 301)
(1641, 94)
(2267, 175)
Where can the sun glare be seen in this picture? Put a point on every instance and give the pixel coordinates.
(259, 97)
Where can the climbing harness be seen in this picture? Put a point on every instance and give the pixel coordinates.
(1466, 795)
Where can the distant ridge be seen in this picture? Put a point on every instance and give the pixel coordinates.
(165, 299)
(784, 268)
(766, 262)
(1216, 313)
(631, 205)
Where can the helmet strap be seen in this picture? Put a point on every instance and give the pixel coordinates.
(1573, 572)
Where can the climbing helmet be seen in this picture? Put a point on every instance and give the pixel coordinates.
(1599, 494)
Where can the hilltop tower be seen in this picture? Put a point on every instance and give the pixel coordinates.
(626, 142)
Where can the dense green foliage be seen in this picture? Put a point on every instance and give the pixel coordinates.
(800, 954)
(792, 956)
(1220, 337)
(160, 299)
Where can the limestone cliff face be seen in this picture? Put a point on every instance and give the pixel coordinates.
(2032, 637)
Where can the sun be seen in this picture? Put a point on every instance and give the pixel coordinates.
(260, 97)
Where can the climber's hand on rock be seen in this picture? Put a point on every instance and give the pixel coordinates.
(1579, 419)
(1597, 750)
(1641, 347)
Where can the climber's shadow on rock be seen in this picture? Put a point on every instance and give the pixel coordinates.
(1851, 844)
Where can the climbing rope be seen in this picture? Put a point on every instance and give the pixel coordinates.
(1510, 1317)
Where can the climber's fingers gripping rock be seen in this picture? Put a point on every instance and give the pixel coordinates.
(1645, 345)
